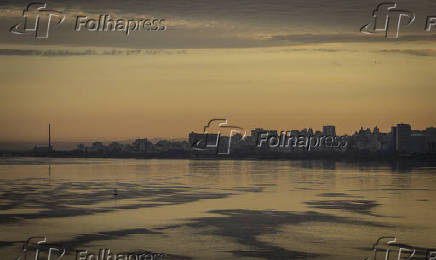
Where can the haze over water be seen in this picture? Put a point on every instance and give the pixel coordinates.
(215, 209)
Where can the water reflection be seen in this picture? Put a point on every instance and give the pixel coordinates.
(260, 209)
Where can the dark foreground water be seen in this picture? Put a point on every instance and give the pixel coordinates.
(191, 209)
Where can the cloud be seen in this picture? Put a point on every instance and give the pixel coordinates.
(220, 24)
(415, 52)
(112, 52)
(308, 38)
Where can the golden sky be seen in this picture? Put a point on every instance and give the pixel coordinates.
(282, 79)
(169, 94)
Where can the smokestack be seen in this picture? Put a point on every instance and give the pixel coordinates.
(49, 138)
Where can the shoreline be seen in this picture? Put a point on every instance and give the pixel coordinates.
(337, 157)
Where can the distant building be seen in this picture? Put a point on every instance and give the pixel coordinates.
(115, 147)
(417, 142)
(386, 142)
(97, 147)
(402, 141)
(365, 140)
(81, 147)
(376, 130)
(140, 145)
(42, 149)
(430, 134)
(329, 130)
(364, 132)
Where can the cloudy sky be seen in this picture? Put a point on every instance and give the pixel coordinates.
(274, 64)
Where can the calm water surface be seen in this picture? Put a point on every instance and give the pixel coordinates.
(192, 209)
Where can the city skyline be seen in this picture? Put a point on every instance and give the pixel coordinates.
(327, 129)
(320, 128)
(219, 138)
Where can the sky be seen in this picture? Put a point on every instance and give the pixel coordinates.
(273, 64)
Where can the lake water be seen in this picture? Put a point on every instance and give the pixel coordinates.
(211, 209)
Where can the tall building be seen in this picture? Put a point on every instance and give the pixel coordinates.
(430, 133)
(329, 130)
(417, 142)
(402, 135)
(140, 145)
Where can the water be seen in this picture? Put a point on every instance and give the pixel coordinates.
(192, 209)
